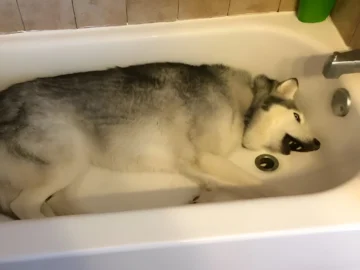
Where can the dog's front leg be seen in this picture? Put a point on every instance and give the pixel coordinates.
(214, 173)
(225, 171)
(234, 181)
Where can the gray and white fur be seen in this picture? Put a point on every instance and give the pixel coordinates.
(163, 117)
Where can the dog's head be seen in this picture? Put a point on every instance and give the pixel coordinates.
(273, 120)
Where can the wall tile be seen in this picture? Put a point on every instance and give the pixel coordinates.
(147, 11)
(346, 17)
(202, 8)
(100, 12)
(252, 6)
(47, 14)
(10, 19)
(288, 5)
(355, 42)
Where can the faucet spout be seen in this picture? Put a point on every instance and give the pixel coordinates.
(340, 63)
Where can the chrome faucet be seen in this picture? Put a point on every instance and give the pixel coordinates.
(340, 63)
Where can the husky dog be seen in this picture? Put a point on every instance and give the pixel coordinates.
(163, 117)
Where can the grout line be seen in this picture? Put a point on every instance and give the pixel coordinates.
(228, 11)
(126, 12)
(72, 2)
(178, 10)
(21, 17)
(279, 6)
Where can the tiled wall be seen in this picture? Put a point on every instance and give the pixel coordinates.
(19, 15)
(346, 16)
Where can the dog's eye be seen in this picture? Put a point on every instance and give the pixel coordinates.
(297, 117)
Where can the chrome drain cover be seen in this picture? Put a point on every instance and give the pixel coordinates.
(267, 163)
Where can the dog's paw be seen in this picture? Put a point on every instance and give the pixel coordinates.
(205, 196)
(195, 200)
(209, 186)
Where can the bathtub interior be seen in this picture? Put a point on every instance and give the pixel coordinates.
(257, 47)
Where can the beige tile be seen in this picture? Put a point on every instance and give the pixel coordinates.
(355, 42)
(346, 16)
(288, 5)
(47, 14)
(202, 8)
(100, 12)
(253, 6)
(10, 19)
(148, 11)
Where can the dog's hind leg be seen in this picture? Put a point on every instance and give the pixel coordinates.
(29, 203)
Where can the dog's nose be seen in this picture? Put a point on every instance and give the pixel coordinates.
(317, 144)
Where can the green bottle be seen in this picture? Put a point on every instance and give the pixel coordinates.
(313, 11)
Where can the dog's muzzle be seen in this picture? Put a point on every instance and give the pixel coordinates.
(290, 143)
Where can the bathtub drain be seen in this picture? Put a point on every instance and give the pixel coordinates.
(266, 163)
(341, 102)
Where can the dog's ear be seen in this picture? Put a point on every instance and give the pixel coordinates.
(262, 85)
(287, 89)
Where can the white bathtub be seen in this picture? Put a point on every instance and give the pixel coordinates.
(315, 228)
